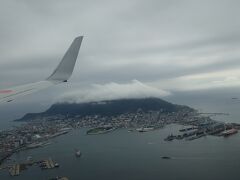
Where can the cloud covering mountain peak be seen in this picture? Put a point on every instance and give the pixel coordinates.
(112, 91)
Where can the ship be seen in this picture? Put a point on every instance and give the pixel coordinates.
(130, 130)
(29, 158)
(229, 132)
(78, 153)
(166, 157)
(170, 138)
(146, 129)
(59, 178)
(187, 129)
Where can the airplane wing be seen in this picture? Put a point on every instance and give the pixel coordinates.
(61, 74)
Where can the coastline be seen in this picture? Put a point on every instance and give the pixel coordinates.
(33, 145)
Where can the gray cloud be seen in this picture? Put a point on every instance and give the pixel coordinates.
(165, 43)
(112, 91)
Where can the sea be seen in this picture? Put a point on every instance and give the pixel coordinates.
(138, 156)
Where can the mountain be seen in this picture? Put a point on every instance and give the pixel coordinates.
(108, 108)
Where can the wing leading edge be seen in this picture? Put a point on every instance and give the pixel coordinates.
(61, 74)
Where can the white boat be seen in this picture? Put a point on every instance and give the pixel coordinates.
(146, 129)
(29, 158)
(78, 153)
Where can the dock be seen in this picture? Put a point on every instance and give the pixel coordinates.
(64, 178)
(214, 114)
(14, 170)
(59, 178)
(47, 164)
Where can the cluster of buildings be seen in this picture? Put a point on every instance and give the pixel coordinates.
(135, 120)
(29, 135)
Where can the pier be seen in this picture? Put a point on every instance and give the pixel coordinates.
(15, 169)
(47, 164)
(59, 178)
(214, 114)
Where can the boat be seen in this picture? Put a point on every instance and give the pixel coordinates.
(140, 130)
(229, 132)
(179, 137)
(166, 157)
(29, 158)
(146, 129)
(59, 178)
(187, 129)
(130, 130)
(78, 153)
(170, 138)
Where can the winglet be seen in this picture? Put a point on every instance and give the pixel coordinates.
(65, 68)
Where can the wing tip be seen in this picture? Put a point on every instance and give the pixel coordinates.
(65, 68)
(79, 38)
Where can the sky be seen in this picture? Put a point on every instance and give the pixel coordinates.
(136, 48)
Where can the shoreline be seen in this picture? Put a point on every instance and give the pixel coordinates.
(31, 146)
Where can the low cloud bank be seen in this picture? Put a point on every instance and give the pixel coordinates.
(112, 91)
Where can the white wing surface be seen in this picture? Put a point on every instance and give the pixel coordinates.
(61, 74)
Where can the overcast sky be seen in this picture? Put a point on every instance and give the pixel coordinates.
(151, 47)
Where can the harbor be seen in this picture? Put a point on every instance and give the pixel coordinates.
(16, 169)
(113, 148)
(196, 132)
